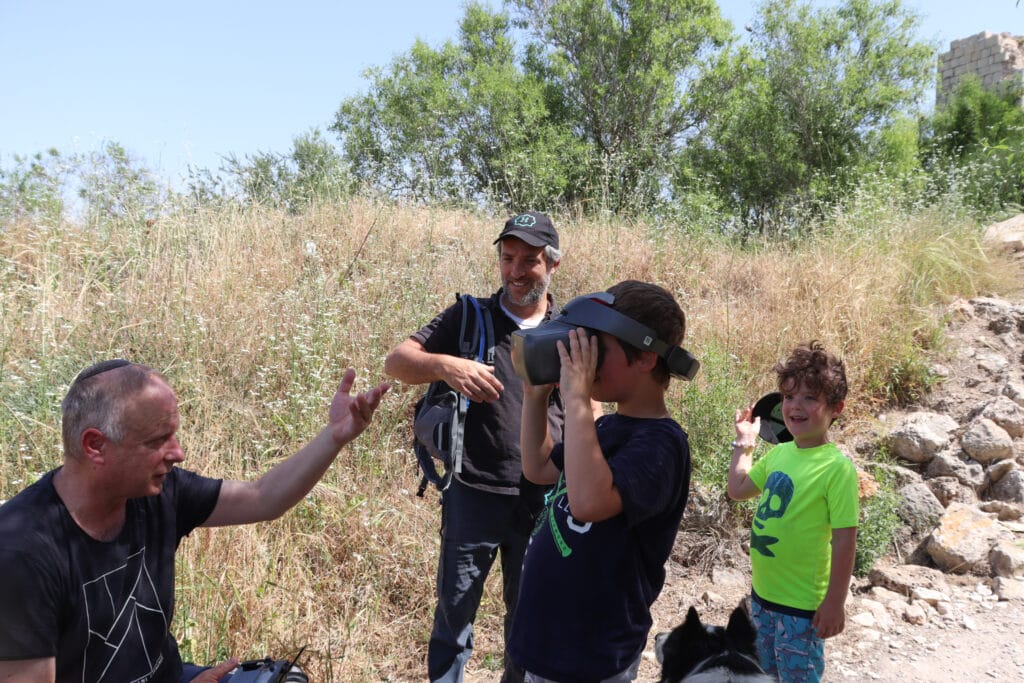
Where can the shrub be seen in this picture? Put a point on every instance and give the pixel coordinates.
(878, 523)
(706, 409)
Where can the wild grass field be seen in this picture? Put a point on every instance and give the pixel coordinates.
(254, 315)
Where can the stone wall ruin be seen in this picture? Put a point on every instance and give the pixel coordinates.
(996, 58)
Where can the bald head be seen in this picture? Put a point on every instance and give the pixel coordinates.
(99, 398)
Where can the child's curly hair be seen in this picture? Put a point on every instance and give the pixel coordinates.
(816, 368)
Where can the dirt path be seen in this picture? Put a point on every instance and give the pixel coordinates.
(981, 639)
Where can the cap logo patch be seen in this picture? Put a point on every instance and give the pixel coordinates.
(525, 220)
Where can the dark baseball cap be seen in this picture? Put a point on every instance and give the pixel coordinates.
(532, 227)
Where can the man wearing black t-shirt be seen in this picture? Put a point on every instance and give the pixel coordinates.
(488, 506)
(87, 552)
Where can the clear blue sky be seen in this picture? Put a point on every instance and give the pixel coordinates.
(189, 81)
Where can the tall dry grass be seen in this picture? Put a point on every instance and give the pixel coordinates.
(253, 317)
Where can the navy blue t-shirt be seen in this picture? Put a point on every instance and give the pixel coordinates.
(102, 609)
(584, 601)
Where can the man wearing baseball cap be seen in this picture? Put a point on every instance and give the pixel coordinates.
(488, 507)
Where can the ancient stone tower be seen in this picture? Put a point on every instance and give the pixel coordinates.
(996, 58)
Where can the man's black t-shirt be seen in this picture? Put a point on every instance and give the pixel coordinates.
(102, 609)
(492, 458)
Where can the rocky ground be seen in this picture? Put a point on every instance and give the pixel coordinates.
(947, 604)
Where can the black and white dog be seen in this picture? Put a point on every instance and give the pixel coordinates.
(697, 653)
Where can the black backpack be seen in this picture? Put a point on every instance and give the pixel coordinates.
(440, 416)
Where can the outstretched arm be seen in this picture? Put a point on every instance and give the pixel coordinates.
(284, 485)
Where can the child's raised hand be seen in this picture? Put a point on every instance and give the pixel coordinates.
(747, 426)
(579, 364)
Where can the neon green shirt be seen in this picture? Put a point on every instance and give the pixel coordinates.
(805, 493)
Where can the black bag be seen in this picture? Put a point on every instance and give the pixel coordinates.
(268, 670)
(440, 416)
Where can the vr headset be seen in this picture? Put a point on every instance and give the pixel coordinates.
(535, 356)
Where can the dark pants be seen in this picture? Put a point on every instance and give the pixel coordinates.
(474, 526)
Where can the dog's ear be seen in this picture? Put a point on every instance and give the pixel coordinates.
(680, 650)
(740, 630)
(692, 622)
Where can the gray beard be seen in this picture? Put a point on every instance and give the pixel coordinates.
(533, 296)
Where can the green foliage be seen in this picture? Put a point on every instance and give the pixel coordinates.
(313, 172)
(31, 190)
(589, 114)
(878, 523)
(975, 117)
(99, 187)
(975, 146)
(900, 373)
(706, 408)
(625, 76)
(893, 148)
(459, 124)
(817, 86)
(116, 186)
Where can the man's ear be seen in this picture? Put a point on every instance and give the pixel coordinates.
(93, 442)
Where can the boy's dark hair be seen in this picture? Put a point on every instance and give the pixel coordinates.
(656, 308)
(816, 368)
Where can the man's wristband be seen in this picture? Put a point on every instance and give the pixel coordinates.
(743, 446)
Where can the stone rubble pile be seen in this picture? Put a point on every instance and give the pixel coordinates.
(960, 478)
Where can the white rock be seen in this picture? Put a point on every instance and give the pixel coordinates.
(932, 597)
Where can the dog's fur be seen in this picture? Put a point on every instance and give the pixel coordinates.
(698, 653)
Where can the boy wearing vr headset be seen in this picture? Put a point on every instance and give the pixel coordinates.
(596, 559)
(804, 535)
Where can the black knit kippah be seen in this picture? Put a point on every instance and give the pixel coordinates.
(101, 367)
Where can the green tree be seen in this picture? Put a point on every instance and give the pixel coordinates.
(313, 171)
(626, 77)
(32, 189)
(114, 185)
(587, 114)
(975, 117)
(815, 89)
(461, 123)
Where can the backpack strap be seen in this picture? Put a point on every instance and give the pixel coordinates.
(471, 341)
(487, 347)
(467, 343)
